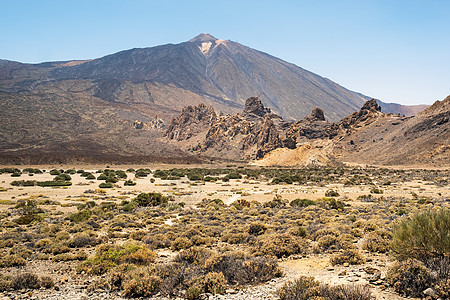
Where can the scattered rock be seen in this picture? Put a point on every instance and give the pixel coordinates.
(430, 292)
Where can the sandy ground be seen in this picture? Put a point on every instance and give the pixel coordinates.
(191, 193)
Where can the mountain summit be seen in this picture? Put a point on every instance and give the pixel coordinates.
(203, 37)
(220, 73)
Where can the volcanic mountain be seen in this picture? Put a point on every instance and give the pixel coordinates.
(97, 108)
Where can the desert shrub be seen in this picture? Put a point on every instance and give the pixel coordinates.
(129, 183)
(90, 176)
(12, 261)
(138, 235)
(43, 243)
(303, 288)
(5, 283)
(111, 179)
(181, 243)
(29, 212)
(366, 198)
(351, 256)
(276, 202)
(299, 231)
(334, 204)
(235, 236)
(281, 245)
(82, 241)
(108, 256)
(25, 281)
(28, 219)
(194, 291)
(54, 172)
(376, 190)
(258, 269)
(233, 175)
(443, 288)
(140, 283)
(32, 171)
(62, 235)
(102, 177)
(345, 292)
(210, 178)
(157, 241)
(80, 216)
(20, 251)
(80, 256)
(56, 249)
(424, 235)
(142, 256)
(142, 172)
(194, 176)
(85, 174)
(105, 185)
(240, 204)
(212, 282)
(194, 255)
(331, 193)
(53, 183)
(151, 199)
(241, 269)
(23, 183)
(328, 242)
(409, 278)
(257, 228)
(47, 282)
(302, 202)
(377, 241)
(62, 177)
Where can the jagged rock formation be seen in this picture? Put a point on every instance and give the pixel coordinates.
(255, 108)
(247, 135)
(387, 139)
(313, 126)
(366, 136)
(190, 122)
(368, 113)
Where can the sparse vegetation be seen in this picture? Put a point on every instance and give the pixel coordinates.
(224, 231)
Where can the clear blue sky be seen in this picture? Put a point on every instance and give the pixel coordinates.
(394, 50)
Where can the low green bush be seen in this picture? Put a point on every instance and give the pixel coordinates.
(423, 236)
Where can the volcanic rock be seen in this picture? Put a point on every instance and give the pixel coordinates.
(191, 121)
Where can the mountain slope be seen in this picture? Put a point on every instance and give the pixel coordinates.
(47, 106)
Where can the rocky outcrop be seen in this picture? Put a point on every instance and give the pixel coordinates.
(190, 122)
(311, 127)
(369, 113)
(255, 108)
(248, 135)
(316, 115)
(257, 133)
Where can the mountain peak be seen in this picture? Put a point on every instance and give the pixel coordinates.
(203, 37)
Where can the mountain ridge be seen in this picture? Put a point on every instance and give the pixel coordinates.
(121, 104)
(227, 75)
